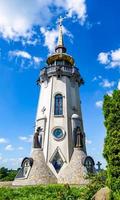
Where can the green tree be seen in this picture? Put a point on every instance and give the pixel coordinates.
(111, 110)
(3, 172)
(7, 175)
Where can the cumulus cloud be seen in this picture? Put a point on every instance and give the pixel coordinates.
(11, 162)
(26, 138)
(115, 58)
(20, 148)
(96, 78)
(50, 37)
(3, 141)
(99, 104)
(1, 157)
(103, 58)
(110, 92)
(9, 147)
(37, 60)
(118, 85)
(107, 84)
(18, 18)
(76, 8)
(88, 141)
(25, 58)
(111, 59)
(19, 53)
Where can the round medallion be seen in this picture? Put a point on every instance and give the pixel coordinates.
(58, 134)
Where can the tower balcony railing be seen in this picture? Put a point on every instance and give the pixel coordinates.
(60, 70)
(54, 68)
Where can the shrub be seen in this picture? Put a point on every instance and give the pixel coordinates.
(111, 109)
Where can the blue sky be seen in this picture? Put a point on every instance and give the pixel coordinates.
(28, 34)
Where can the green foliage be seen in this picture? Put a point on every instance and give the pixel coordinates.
(111, 109)
(3, 172)
(7, 175)
(97, 181)
(50, 192)
(116, 195)
(55, 191)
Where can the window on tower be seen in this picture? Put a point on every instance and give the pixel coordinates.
(59, 62)
(58, 106)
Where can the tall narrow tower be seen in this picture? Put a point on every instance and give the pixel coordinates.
(59, 150)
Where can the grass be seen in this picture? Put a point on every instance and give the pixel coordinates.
(49, 192)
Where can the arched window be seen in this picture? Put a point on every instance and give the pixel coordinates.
(58, 107)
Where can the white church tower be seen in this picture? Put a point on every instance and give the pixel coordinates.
(59, 151)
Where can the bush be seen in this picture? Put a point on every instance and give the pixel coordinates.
(50, 192)
(56, 191)
(116, 195)
(97, 181)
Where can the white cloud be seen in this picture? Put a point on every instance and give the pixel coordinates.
(111, 59)
(109, 93)
(37, 60)
(76, 8)
(25, 58)
(103, 58)
(107, 84)
(1, 158)
(19, 53)
(118, 85)
(99, 104)
(26, 139)
(11, 162)
(23, 138)
(18, 18)
(31, 41)
(3, 141)
(115, 58)
(96, 78)
(51, 36)
(88, 141)
(9, 147)
(16, 160)
(20, 148)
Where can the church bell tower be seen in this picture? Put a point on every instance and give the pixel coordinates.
(59, 150)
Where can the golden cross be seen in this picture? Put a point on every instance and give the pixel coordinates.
(60, 20)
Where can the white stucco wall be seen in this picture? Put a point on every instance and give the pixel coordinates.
(71, 99)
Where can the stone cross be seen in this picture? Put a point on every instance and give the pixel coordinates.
(99, 164)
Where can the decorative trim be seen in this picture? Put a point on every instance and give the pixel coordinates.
(61, 154)
(58, 115)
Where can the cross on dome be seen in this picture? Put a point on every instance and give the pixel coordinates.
(60, 20)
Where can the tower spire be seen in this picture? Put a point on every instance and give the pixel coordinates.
(60, 37)
(60, 46)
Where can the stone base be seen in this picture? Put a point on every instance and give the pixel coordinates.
(75, 172)
(39, 173)
(102, 194)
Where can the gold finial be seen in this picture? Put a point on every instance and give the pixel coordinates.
(60, 37)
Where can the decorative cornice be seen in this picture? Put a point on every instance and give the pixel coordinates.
(60, 56)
